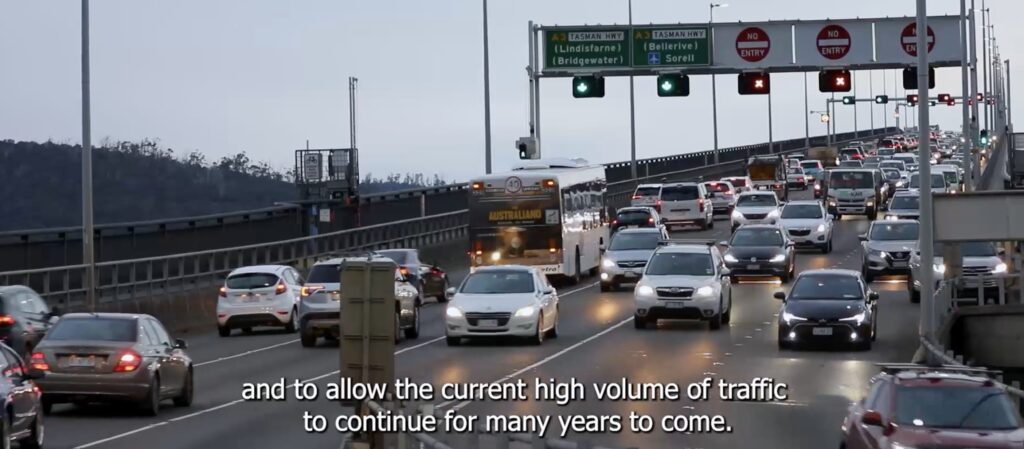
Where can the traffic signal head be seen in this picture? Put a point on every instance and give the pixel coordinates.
(912, 99)
(910, 78)
(945, 98)
(587, 86)
(758, 83)
(527, 147)
(673, 85)
(981, 96)
(835, 81)
(984, 137)
(881, 99)
(932, 103)
(849, 100)
(951, 102)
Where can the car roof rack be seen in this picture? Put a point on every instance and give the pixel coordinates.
(893, 368)
(668, 242)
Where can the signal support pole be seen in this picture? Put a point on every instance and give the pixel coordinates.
(632, 115)
(926, 326)
(88, 234)
(487, 98)
(965, 146)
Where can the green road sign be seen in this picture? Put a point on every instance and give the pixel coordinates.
(586, 48)
(671, 46)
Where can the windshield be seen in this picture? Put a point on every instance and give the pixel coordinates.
(679, 193)
(886, 151)
(757, 200)
(680, 264)
(851, 180)
(956, 408)
(634, 216)
(801, 211)
(826, 286)
(498, 282)
(325, 274)
(647, 191)
(898, 165)
(635, 240)
(400, 257)
(810, 165)
(906, 202)
(93, 329)
(249, 281)
(970, 249)
(894, 231)
(757, 237)
(951, 177)
(938, 181)
(796, 171)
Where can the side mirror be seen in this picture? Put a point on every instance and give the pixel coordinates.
(871, 418)
(549, 291)
(863, 237)
(873, 296)
(726, 272)
(180, 344)
(724, 243)
(450, 293)
(602, 248)
(1001, 251)
(781, 296)
(55, 311)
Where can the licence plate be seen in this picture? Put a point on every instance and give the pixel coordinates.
(899, 264)
(630, 274)
(81, 361)
(753, 267)
(821, 331)
(250, 298)
(675, 305)
(487, 323)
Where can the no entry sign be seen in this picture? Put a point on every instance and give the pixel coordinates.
(753, 44)
(833, 42)
(908, 39)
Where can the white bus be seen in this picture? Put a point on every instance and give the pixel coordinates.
(548, 213)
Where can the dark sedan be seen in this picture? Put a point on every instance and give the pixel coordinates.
(828, 305)
(430, 280)
(21, 415)
(24, 318)
(760, 250)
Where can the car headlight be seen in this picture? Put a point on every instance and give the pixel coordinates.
(892, 217)
(821, 227)
(705, 291)
(453, 312)
(899, 183)
(773, 214)
(608, 263)
(527, 311)
(859, 318)
(869, 203)
(939, 268)
(779, 258)
(496, 256)
(737, 215)
(789, 317)
(731, 258)
(1001, 268)
(645, 290)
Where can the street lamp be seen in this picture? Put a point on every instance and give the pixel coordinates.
(714, 90)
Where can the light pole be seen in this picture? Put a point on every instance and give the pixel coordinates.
(632, 115)
(965, 127)
(807, 118)
(927, 317)
(714, 84)
(487, 97)
(984, 61)
(88, 251)
(871, 94)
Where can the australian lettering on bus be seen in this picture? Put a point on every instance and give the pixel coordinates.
(515, 215)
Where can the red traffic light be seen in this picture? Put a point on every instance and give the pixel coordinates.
(912, 99)
(754, 83)
(945, 98)
(835, 81)
(981, 96)
(951, 102)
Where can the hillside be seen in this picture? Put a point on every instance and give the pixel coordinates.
(40, 184)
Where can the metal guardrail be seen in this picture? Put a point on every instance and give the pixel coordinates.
(154, 276)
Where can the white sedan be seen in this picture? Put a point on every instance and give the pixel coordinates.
(502, 301)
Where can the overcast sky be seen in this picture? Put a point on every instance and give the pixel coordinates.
(222, 76)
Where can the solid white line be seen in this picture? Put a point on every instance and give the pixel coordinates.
(243, 354)
(323, 376)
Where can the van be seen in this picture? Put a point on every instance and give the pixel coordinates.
(686, 203)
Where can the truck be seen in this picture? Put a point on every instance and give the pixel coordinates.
(1015, 162)
(853, 191)
(768, 172)
(829, 156)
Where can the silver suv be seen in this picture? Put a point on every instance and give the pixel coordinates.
(320, 304)
(887, 246)
(684, 280)
(979, 259)
(626, 256)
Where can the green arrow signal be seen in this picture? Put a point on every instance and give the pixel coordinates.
(666, 86)
(582, 87)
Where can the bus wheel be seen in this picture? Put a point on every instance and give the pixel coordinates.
(577, 277)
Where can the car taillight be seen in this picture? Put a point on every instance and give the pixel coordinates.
(281, 288)
(657, 206)
(38, 362)
(127, 362)
(223, 292)
(310, 289)
(636, 197)
(6, 320)
(650, 220)
(817, 187)
(700, 204)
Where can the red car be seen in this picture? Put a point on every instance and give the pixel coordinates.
(921, 407)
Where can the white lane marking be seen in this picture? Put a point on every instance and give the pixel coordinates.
(243, 354)
(543, 361)
(323, 376)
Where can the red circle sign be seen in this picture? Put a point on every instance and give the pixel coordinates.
(833, 42)
(753, 44)
(908, 39)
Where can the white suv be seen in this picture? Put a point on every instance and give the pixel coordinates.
(684, 280)
(757, 207)
(686, 203)
(262, 295)
(646, 195)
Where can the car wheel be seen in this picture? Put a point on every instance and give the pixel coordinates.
(5, 434)
(224, 331)
(864, 345)
(577, 276)
(289, 327)
(47, 405)
(307, 337)
(398, 328)
(35, 439)
(553, 333)
(184, 399)
(874, 330)
(414, 331)
(443, 296)
(704, 225)
(151, 405)
(715, 323)
(639, 322)
(727, 315)
(452, 341)
(711, 222)
(538, 337)
(606, 287)
(915, 296)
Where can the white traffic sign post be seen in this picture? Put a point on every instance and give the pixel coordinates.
(753, 44)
